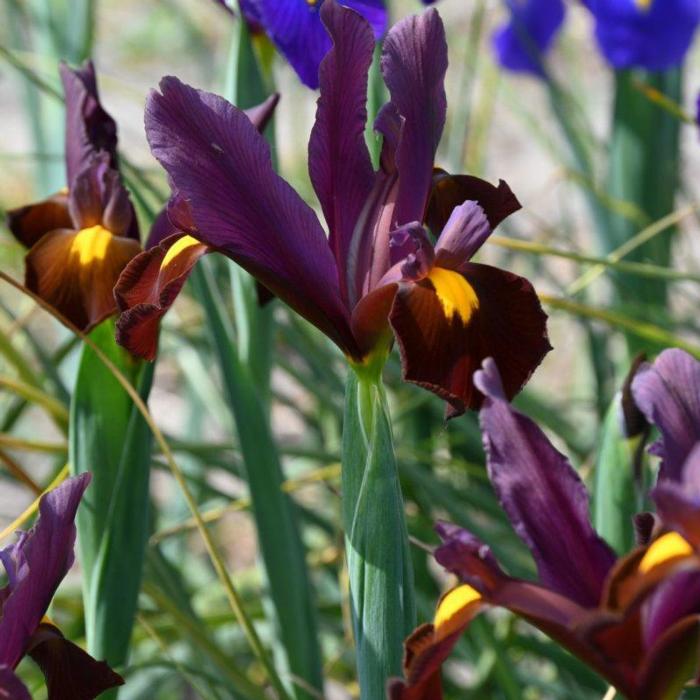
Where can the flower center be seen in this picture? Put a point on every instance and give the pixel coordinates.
(666, 548)
(456, 295)
(176, 248)
(90, 245)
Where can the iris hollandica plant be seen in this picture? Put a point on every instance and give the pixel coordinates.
(378, 273)
(634, 619)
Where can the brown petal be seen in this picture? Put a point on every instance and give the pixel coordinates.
(28, 224)
(71, 673)
(75, 272)
(446, 328)
(147, 289)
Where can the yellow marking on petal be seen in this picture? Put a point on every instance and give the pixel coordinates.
(643, 4)
(455, 610)
(90, 245)
(456, 295)
(178, 247)
(46, 620)
(667, 547)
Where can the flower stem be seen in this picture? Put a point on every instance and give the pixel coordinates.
(376, 537)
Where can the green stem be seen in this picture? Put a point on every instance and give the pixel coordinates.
(376, 537)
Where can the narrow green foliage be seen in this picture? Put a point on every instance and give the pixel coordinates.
(376, 538)
(643, 171)
(275, 513)
(616, 491)
(109, 438)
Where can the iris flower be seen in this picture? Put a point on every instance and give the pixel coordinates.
(635, 620)
(35, 566)
(378, 270)
(650, 34)
(80, 239)
(296, 29)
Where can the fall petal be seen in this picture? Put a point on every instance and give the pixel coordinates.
(148, 287)
(449, 191)
(70, 672)
(75, 272)
(543, 496)
(28, 224)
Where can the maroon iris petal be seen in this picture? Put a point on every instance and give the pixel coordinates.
(28, 224)
(668, 393)
(36, 566)
(148, 287)
(339, 162)
(71, 673)
(414, 62)
(89, 129)
(222, 166)
(543, 496)
(449, 191)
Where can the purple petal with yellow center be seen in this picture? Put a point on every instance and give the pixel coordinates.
(543, 496)
(221, 165)
(339, 162)
(650, 34)
(89, 129)
(149, 286)
(668, 393)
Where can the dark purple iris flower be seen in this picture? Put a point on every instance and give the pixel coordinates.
(35, 566)
(81, 238)
(635, 620)
(378, 271)
(650, 34)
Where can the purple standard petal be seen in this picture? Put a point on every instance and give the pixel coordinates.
(339, 162)
(521, 43)
(295, 27)
(414, 62)
(40, 559)
(89, 129)
(465, 232)
(221, 165)
(11, 687)
(668, 393)
(656, 37)
(543, 496)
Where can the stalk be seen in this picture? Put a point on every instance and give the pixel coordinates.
(376, 537)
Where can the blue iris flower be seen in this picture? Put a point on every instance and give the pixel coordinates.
(650, 34)
(296, 29)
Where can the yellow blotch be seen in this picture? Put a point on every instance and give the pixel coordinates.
(667, 547)
(456, 295)
(90, 245)
(455, 610)
(643, 4)
(178, 247)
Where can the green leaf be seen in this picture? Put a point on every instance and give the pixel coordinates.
(376, 538)
(615, 494)
(276, 515)
(109, 438)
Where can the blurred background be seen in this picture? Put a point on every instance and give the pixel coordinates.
(500, 125)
